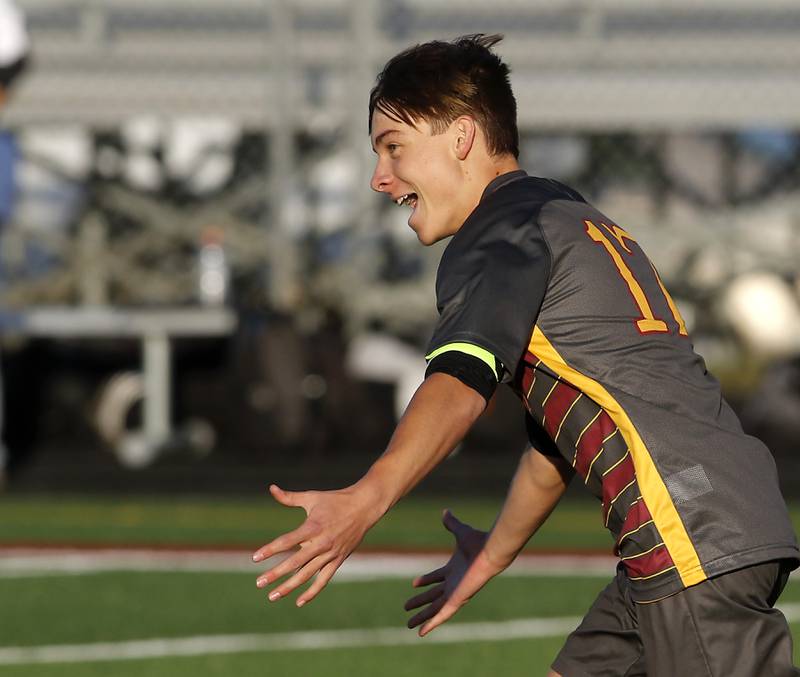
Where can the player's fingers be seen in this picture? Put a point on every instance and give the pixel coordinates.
(284, 542)
(325, 575)
(286, 566)
(444, 614)
(435, 576)
(301, 576)
(427, 613)
(424, 598)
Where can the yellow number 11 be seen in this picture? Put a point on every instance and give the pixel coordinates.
(648, 323)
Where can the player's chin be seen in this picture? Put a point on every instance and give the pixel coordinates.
(426, 234)
(425, 238)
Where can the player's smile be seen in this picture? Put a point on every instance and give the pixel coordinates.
(409, 199)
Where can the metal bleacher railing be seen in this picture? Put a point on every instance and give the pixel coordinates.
(599, 63)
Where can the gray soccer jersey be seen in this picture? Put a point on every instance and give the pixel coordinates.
(598, 352)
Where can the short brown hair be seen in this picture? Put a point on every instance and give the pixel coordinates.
(438, 81)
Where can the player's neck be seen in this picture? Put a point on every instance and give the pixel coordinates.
(481, 173)
(504, 164)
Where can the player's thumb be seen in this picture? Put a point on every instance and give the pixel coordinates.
(454, 525)
(287, 498)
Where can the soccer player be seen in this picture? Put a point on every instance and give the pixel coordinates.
(540, 291)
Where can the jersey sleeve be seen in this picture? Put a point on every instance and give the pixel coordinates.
(490, 287)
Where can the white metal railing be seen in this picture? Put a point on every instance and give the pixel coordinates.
(99, 62)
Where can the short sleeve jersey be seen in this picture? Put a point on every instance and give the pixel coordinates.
(595, 347)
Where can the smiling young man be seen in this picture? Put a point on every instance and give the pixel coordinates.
(539, 290)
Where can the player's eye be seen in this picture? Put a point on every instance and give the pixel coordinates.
(392, 147)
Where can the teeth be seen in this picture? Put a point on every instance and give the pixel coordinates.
(404, 199)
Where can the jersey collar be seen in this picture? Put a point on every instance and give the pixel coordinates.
(503, 180)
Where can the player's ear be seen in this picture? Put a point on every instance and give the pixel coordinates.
(464, 129)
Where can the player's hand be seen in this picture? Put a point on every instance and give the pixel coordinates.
(335, 524)
(454, 584)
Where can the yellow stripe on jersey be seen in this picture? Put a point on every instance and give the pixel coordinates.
(659, 503)
(469, 349)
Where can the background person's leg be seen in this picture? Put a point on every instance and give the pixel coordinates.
(3, 452)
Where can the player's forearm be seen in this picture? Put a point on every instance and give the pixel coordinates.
(537, 486)
(441, 412)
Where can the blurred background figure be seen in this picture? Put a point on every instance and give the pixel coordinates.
(14, 55)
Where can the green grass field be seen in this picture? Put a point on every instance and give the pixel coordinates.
(413, 523)
(118, 606)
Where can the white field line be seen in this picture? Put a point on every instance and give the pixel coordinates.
(33, 563)
(523, 628)
(290, 641)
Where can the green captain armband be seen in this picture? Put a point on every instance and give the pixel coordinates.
(469, 349)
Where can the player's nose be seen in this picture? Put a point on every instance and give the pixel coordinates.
(381, 178)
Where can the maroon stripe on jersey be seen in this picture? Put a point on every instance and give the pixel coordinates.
(557, 405)
(638, 514)
(528, 372)
(591, 441)
(615, 481)
(649, 564)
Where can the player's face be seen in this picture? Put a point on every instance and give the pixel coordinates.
(419, 171)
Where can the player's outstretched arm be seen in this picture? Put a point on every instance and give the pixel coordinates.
(437, 418)
(538, 484)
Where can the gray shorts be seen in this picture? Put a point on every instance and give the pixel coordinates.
(723, 627)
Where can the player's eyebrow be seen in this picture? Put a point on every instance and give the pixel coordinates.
(381, 136)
